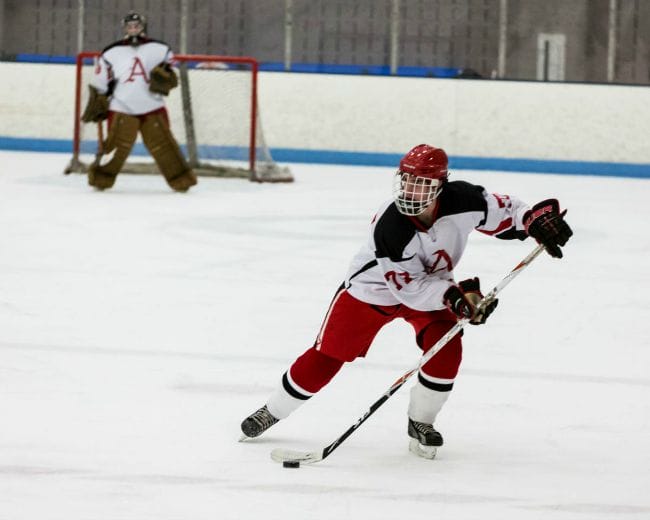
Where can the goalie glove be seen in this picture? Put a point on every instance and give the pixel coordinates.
(162, 79)
(463, 300)
(96, 108)
(546, 224)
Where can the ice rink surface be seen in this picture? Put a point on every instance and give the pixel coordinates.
(138, 327)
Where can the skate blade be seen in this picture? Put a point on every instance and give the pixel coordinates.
(427, 452)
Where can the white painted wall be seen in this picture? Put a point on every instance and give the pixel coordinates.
(386, 114)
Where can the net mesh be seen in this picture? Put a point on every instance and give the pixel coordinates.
(211, 116)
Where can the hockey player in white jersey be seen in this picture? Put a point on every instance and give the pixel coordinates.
(131, 77)
(406, 270)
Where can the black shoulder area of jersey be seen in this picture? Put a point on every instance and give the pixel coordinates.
(118, 43)
(393, 232)
(142, 41)
(461, 197)
(153, 40)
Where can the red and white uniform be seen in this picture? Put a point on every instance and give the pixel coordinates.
(123, 70)
(404, 263)
(403, 272)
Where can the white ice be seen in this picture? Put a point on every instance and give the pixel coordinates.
(138, 327)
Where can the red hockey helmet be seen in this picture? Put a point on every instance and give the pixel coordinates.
(419, 180)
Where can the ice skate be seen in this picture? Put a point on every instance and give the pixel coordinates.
(425, 440)
(257, 423)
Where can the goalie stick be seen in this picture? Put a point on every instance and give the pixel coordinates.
(282, 455)
(100, 141)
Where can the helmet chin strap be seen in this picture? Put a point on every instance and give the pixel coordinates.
(135, 40)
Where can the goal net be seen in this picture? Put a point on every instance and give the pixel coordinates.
(214, 115)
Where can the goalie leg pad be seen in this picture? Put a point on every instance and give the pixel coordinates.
(100, 179)
(122, 134)
(160, 142)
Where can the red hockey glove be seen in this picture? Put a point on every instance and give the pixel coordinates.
(463, 299)
(546, 224)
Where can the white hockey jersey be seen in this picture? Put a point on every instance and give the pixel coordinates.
(122, 71)
(404, 263)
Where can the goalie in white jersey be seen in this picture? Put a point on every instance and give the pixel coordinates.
(406, 271)
(131, 77)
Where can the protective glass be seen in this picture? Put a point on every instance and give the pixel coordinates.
(414, 194)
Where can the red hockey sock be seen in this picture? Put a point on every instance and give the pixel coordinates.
(445, 363)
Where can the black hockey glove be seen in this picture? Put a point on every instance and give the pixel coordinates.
(546, 224)
(463, 300)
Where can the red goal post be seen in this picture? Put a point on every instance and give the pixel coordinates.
(216, 105)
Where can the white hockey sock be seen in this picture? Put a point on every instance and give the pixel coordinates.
(425, 403)
(286, 398)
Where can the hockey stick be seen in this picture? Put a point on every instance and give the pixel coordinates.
(282, 455)
(100, 142)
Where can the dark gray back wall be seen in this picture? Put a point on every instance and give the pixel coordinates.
(432, 33)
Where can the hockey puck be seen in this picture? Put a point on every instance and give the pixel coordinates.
(291, 464)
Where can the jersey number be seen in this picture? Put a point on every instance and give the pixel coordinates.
(392, 276)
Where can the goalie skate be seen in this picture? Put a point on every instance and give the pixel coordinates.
(425, 440)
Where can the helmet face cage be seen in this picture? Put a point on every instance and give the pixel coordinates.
(414, 194)
(133, 28)
(134, 25)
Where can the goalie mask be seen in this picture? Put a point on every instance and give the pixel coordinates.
(134, 26)
(420, 178)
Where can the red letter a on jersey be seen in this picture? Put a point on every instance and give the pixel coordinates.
(441, 255)
(137, 70)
